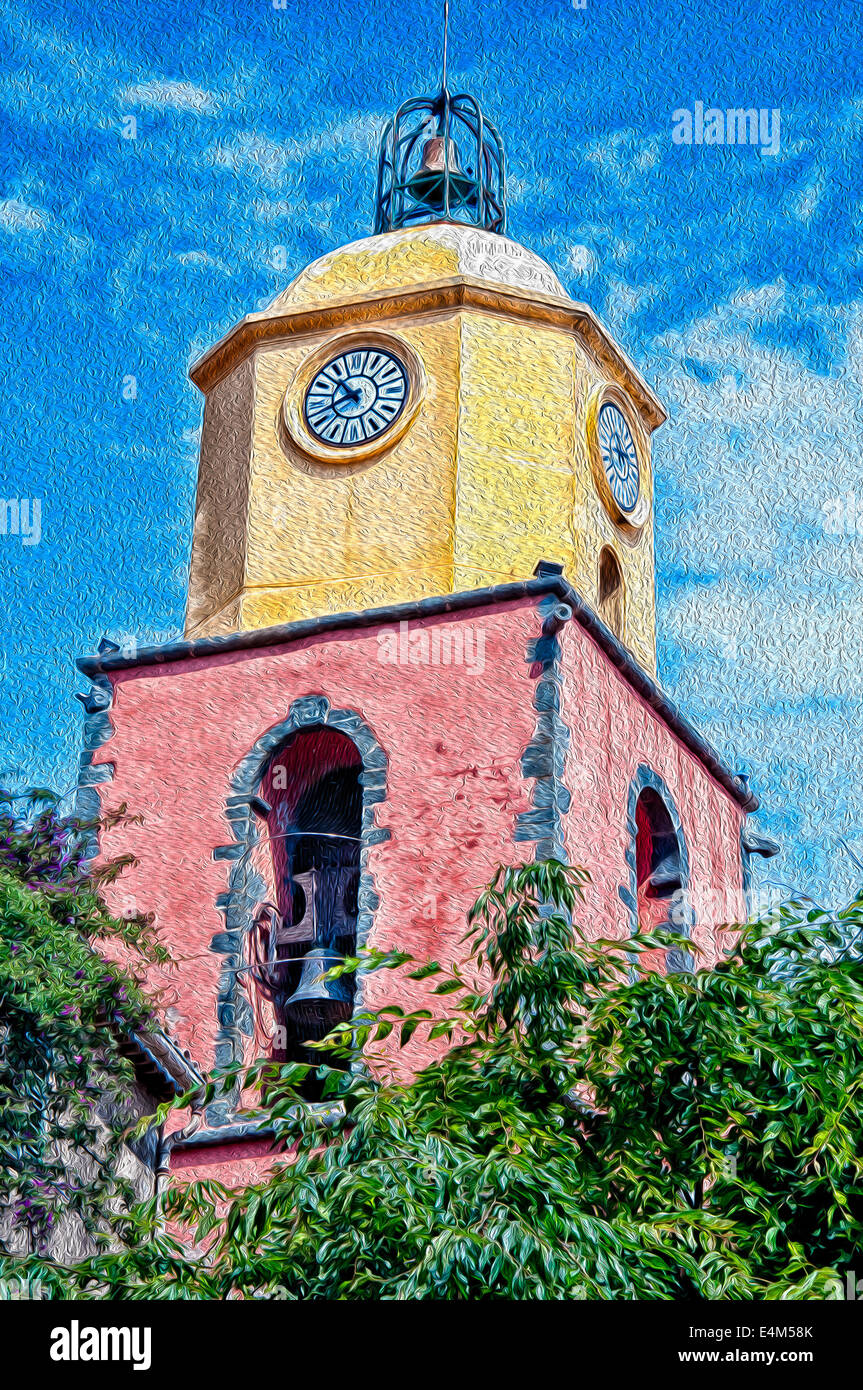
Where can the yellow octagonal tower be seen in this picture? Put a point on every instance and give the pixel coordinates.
(422, 411)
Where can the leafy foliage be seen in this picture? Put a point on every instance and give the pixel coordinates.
(590, 1131)
(63, 1012)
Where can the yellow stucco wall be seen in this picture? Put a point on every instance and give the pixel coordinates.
(416, 256)
(525, 489)
(492, 475)
(314, 523)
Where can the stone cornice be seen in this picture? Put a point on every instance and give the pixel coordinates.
(439, 296)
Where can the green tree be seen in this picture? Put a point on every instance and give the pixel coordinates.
(64, 1011)
(590, 1131)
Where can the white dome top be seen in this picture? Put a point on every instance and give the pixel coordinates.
(415, 256)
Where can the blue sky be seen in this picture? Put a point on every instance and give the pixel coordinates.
(734, 278)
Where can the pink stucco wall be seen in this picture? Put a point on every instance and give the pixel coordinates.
(612, 733)
(454, 738)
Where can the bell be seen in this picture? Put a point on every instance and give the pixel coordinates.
(317, 1004)
(428, 184)
(666, 876)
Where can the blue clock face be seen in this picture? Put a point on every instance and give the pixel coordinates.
(619, 457)
(356, 397)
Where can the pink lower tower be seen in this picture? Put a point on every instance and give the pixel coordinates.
(400, 756)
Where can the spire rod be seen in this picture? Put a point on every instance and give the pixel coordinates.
(420, 178)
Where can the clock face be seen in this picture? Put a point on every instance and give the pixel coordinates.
(619, 456)
(356, 397)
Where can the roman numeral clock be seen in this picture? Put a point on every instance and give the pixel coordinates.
(618, 458)
(354, 398)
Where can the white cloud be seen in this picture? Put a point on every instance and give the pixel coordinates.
(251, 152)
(161, 93)
(204, 259)
(582, 260)
(623, 300)
(18, 217)
(278, 209)
(763, 302)
(805, 203)
(790, 645)
(756, 447)
(351, 141)
(625, 156)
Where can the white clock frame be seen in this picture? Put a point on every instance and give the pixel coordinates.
(294, 403)
(629, 522)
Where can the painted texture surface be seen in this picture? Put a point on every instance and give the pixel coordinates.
(460, 787)
(168, 175)
(454, 785)
(493, 474)
(612, 736)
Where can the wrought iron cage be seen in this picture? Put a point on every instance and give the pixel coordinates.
(440, 160)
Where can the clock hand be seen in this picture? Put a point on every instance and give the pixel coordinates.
(352, 395)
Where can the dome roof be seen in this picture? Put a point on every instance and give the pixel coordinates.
(416, 256)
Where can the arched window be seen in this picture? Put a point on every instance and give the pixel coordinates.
(312, 785)
(660, 873)
(611, 594)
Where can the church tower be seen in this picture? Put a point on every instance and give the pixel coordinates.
(423, 411)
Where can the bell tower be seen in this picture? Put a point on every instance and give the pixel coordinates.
(422, 411)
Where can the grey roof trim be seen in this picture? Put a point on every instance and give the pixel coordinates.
(175, 1066)
(760, 844)
(548, 581)
(324, 1113)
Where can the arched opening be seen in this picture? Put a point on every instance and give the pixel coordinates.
(312, 786)
(659, 872)
(611, 594)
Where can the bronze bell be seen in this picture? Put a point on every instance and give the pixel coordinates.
(428, 184)
(318, 1004)
(665, 878)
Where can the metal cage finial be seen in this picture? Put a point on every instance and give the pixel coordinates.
(440, 160)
